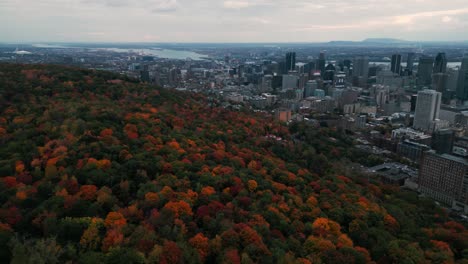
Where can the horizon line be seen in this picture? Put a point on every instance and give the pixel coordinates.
(369, 40)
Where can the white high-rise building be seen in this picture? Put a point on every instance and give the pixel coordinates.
(427, 109)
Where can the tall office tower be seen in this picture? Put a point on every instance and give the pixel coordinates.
(445, 179)
(300, 67)
(267, 83)
(290, 82)
(340, 80)
(427, 109)
(290, 61)
(361, 71)
(175, 75)
(440, 64)
(303, 78)
(462, 85)
(277, 82)
(410, 61)
(321, 63)
(347, 63)
(145, 76)
(439, 82)
(452, 81)
(425, 71)
(310, 88)
(414, 100)
(329, 74)
(309, 67)
(241, 70)
(396, 64)
(282, 69)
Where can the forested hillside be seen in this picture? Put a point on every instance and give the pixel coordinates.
(98, 168)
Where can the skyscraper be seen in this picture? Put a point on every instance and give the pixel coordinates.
(340, 80)
(410, 62)
(347, 63)
(396, 64)
(321, 63)
(462, 85)
(425, 71)
(309, 67)
(329, 74)
(440, 64)
(439, 83)
(310, 88)
(452, 81)
(427, 109)
(290, 82)
(361, 71)
(290, 61)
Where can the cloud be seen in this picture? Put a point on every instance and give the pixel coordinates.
(410, 18)
(164, 5)
(150, 37)
(96, 33)
(389, 21)
(260, 20)
(151, 5)
(447, 19)
(236, 4)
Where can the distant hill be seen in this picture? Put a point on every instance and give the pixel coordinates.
(384, 40)
(100, 168)
(371, 42)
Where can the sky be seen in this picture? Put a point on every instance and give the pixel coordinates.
(231, 20)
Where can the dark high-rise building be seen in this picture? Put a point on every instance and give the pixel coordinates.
(414, 100)
(277, 82)
(396, 64)
(410, 61)
(440, 64)
(174, 76)
(442, 141)
(361, 71)
(373, 70)
(309, 67)
(329, 74)
(321, 63)
(144, 74)
(462, 84)
(290, 61)
(347, 63)
(425, 71)
(282, 67)
(439, 83)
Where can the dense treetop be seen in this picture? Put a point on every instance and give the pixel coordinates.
(98, 168)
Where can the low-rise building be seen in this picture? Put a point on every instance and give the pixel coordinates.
(412, 150)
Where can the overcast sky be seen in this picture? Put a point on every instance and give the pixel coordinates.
(231, 20)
